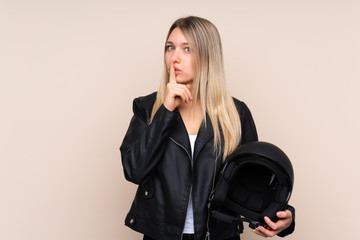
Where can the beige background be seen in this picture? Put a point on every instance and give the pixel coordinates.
(69, 70)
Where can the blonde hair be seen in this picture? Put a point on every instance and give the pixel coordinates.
(209, 82)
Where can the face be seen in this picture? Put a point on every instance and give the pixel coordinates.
(177, 51)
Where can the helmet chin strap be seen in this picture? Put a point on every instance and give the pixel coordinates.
(254, 224)
(230, 219)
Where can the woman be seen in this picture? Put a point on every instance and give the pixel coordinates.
(179, 137)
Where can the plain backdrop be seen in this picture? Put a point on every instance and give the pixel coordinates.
(69, 70)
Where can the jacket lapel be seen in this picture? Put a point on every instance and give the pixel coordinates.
(205, 134)
(180, 136)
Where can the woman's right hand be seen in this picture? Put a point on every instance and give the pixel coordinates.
(176, 93)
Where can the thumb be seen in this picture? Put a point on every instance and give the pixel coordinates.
(281, 214)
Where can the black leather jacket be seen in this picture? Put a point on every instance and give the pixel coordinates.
(157, 157)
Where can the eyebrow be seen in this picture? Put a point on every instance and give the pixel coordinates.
(170, 42)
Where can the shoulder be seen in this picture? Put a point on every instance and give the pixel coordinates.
(240, 106)
(248, 128)
(146, 101)
(142, 106)
(237, 102)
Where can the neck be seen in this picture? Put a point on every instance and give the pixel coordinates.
(191, 115)
(191, 107)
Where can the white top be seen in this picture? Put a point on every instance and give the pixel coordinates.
(189, 222)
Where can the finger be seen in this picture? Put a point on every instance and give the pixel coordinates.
(186, 94)
(184, 89)
(284, 214)
(172, 78)
(271, 224)
(266, 232)
(179, 90)
(188, 86)
(258, 232)
(172, 98)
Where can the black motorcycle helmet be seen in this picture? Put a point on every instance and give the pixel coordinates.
(255, 181)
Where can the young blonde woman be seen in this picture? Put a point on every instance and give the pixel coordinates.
(179, 137)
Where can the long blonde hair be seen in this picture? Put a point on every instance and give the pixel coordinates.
(209, 82)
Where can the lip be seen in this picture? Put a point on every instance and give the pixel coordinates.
(177, 70)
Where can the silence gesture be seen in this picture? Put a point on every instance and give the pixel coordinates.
(176, 93)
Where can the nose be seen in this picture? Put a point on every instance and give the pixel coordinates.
(176, 56)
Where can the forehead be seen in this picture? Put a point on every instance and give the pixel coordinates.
(177, 36)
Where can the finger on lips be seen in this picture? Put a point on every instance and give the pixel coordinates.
(172, 73)
(180, 90)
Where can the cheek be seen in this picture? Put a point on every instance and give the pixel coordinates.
(190, 66)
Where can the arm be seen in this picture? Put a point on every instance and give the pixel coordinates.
(144, 143)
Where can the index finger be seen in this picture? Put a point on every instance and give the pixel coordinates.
(172, 73)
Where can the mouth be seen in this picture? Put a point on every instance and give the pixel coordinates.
(177, 70)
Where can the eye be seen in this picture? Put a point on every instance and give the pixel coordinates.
(187, 49)
(169, 47)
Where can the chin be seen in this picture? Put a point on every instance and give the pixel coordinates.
(183, 81)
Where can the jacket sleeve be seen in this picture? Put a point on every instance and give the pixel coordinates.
(291, 228)
(143, 144)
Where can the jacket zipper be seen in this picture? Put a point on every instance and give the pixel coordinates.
(207, 237)
(191, 162)
(184, 150)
